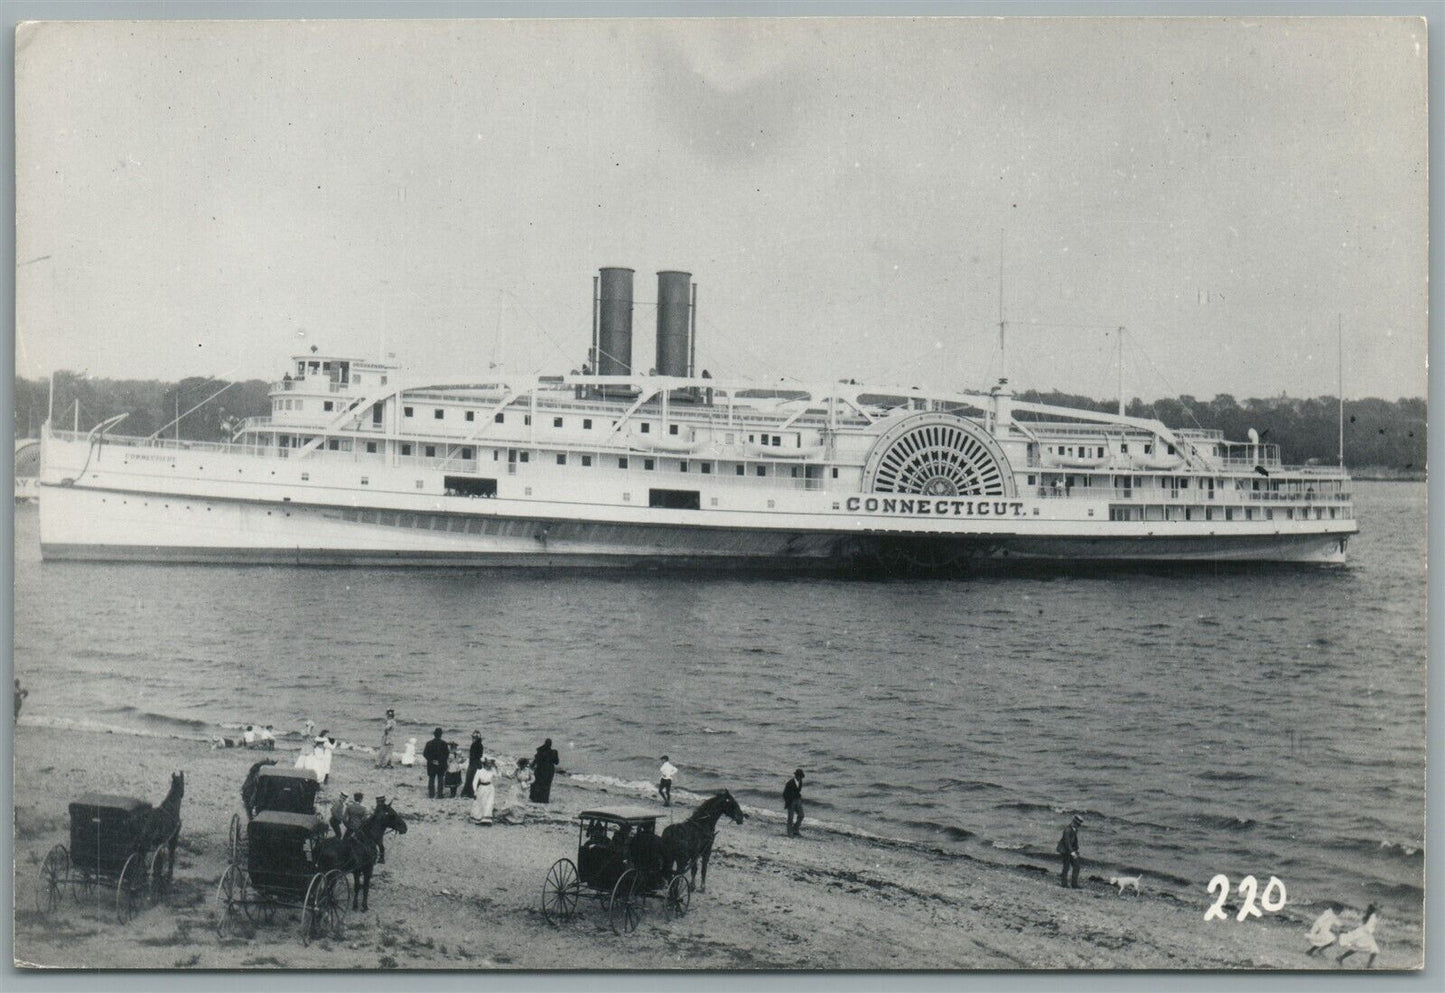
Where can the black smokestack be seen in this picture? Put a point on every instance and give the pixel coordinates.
(674, 339)
(614, 323)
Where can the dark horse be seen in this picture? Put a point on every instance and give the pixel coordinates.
(162, 825)
(357, 852)
(248, 788)
(687, 844)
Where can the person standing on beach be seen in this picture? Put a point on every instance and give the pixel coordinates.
(338, 812)
(664, 782)
(435, 754)
(474, 762)
(1068, 849)
(544, 766)
(383, 754)
(454, 769)
(793, 803)
(20, 696)
(485, 793)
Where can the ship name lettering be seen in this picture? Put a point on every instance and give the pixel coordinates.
(941, 508)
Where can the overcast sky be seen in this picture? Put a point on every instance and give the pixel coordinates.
(210, 198)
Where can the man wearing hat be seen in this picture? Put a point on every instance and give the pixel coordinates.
(793, 801)
(474, 762)
(1068, 850)
(354, 813)
(435, 753)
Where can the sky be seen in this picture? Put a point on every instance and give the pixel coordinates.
(851, 196)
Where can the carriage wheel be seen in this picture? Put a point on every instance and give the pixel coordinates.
(82, 883)
(311, 909)
(54, 873)
(560, 891)
(334, 900)
(679, 896)
(158, 880)
(130, 887)
(230, 893)
(259, 908)
(234, 838)
(626, 911)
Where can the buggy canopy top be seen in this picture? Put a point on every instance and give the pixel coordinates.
(620, 815)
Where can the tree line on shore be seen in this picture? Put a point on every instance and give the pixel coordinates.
(1380, 434)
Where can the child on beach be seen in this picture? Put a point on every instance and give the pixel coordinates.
(1362, 938)
(664, 784)
(1322, 931)
(454, 768)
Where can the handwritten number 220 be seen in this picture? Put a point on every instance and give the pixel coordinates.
(1272, 899)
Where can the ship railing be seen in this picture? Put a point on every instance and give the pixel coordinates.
(1202, 497)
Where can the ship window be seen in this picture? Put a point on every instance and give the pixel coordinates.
(526, 420)
(327, 405)
(431, 451)
(525, 456)
(467, 454)
(796, 473)
(419, 484)
(561, 459)
(762, 470)
(556, 422)
(835, 472)
(405, 449)
(648, 464)
(406, 411)
(333, 444)
(1229, 513)
(306, 477)
(586, 424)
(438, 414)
(586, 461)
(469, 487)
(706, 467)
(835, 476)
(371, 448)
(672, 429)
(383, 380)
(728, 438)
(1148, 449)
(752, 437)
(777, 441)
(622, 463)
(646, 428)
(471, 415)
(1171, 449)
(500, 418)
(742, 470)
(356, 379)
(1124, 447)
(674, 499)
(365, 481)
(1269, 513)
(682, 466)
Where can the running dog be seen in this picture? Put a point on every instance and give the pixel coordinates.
(1125, 882)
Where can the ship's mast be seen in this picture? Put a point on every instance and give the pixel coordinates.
(1121, 370)
(1002, 325)
(1340, 366)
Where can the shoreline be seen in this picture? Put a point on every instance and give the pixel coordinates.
(456, 896)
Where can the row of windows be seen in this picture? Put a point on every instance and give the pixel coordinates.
(1217, 513)
(1095, 451)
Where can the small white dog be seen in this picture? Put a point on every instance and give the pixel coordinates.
(1125, 882)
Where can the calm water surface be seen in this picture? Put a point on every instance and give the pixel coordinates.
(1266, 722)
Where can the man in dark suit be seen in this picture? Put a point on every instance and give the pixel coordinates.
(435, 753)
(1068, 849)
(793, 801)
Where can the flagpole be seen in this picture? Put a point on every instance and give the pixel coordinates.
(1340, 366)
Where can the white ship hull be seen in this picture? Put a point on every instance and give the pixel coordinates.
(87, 524)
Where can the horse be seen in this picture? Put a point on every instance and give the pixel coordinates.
(687, 844)
(162, 825)
(357, 852)
(248, 788)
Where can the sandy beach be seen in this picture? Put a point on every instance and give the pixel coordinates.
(453, 895)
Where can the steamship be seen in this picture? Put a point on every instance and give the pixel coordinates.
(611, 467)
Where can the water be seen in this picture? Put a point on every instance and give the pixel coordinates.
(1267, 722)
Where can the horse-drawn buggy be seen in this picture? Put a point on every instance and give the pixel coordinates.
(281, 870)
(622, 862)
(269, 786)
(116, 842)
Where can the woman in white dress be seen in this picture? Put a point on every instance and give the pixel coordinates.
(486, 792)
(1362, 938)
(321, 755)
(517, 806)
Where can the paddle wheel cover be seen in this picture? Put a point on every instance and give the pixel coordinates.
(936, 454)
